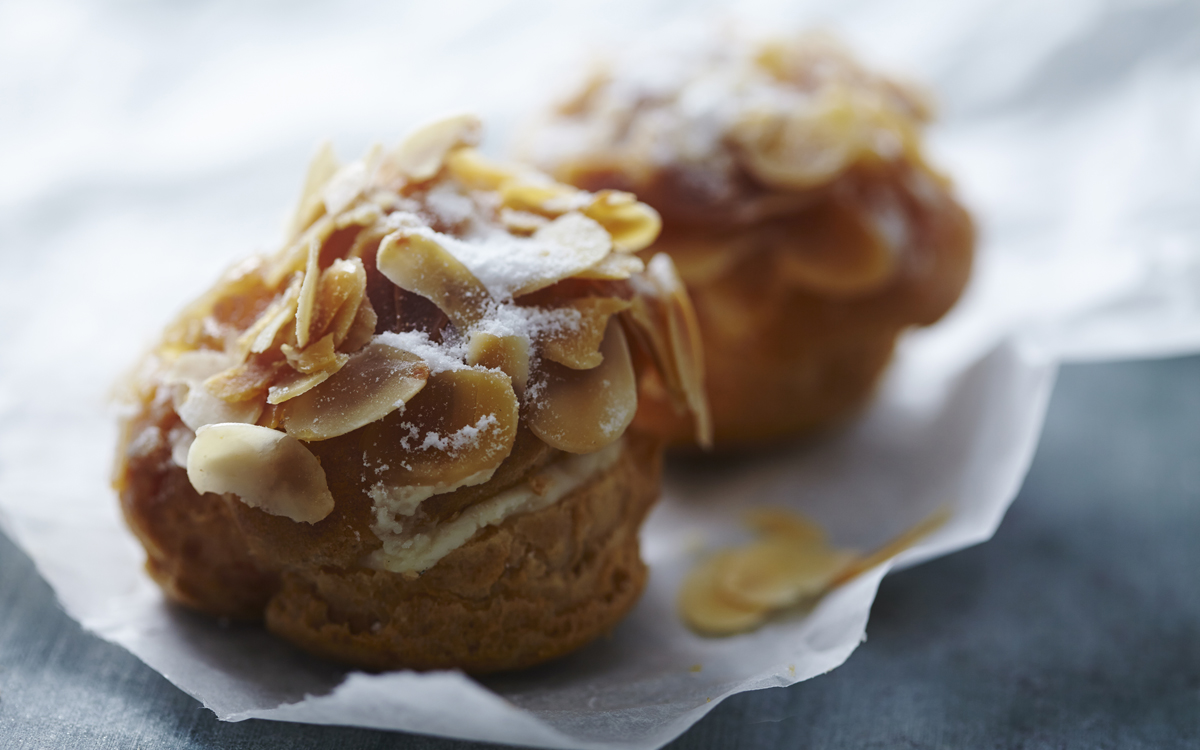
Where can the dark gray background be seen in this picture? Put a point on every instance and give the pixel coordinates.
(1078, 626)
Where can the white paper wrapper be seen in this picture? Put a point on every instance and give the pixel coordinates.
(153, 149)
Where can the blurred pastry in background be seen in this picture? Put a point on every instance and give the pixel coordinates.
(798, 207)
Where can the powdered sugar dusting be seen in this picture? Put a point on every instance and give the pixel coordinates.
(444, 357)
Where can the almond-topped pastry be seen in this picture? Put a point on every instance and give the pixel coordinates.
(797, 205)
(402, 441)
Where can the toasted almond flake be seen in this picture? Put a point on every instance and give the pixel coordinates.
(323, 166)
(579, 346)
(584, 236)
(341, 290)
(522, 222)
(580, 411)
(374, 382)
(243, 381)
(454, 433)
(316, 357)
(264, 468)
(686, 345)
(259, 337)
(664, 315)
(362, 328)
(633, 226)
(539, 195)
(420, 156)
(196, 366)
(614, 267)
(292, 384)
(345, 187)
(476, 171)
(197, 407)
(417, 263)
(308, 295)
(509, 354)
(705, 610)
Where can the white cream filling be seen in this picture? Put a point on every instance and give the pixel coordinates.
(548, 485)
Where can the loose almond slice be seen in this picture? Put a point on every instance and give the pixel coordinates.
(453, 434)
(776, 573)
(265, 468)
(578, 347)
(633, 226)
(581, 411)
(421, 155)
(509, 354)
(373, 383)
(776, 523)
(705, 610)
(416, 263)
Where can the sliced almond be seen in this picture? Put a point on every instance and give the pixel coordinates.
(244, 381)
(196, 366)
(835, 251)
(264, 468)
(343, 288)
(454, 433)
(565, 247)
(307, 300)
(261, 336)
(374, 382)
(323, 166)
(541, 195)
(317, 357)
(581, 411)
(633, 226)
(198, 407)
(292, 384)
(705, 610)
(614, 267)
(664, 314)
(362, 328)
(776, 523)
(345, 187)
(776, 573)
(476, 171)
(522, 222)
(417, 263)
(578, 347)
(510, 354)
(420, 156)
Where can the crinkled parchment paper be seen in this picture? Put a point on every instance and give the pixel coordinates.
(145, 148)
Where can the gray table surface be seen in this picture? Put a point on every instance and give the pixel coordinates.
(1077, 626)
